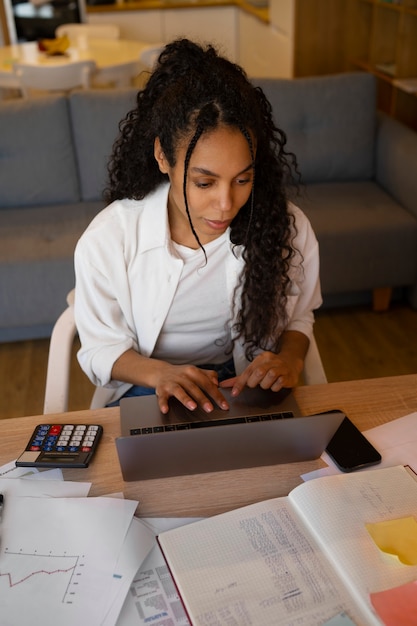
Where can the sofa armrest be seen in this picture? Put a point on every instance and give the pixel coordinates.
(396, 159)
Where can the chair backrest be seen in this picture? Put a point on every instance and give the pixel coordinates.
(59, 363)
(97, 31)
(150, 54)
(59, 77)
(120, 75)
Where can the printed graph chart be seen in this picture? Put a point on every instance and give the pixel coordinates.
(24, 572)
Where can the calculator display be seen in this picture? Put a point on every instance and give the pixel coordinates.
(61, 445)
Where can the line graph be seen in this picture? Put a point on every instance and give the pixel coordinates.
(23, 571)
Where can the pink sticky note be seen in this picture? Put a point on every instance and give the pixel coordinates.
(397, 606)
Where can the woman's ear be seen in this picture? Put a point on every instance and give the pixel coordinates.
(160, 156)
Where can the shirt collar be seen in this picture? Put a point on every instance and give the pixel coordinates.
(154, 231)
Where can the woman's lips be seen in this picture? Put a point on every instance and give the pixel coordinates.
(218, 225)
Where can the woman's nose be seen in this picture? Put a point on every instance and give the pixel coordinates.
(225, 199)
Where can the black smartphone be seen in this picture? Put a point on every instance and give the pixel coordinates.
(350, 449)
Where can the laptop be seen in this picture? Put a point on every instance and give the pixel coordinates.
(261, 427)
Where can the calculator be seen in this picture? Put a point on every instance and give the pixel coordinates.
(61, 445)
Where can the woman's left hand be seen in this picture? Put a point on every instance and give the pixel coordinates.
(273, 371)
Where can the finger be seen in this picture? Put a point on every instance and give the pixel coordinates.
(220, 400)
(212, 376)
(229, 382)
(214, 392)
(211, 387)
(175, 391)
(163, 403)
(269, 379)
(192, 396)
(238, 385)
(278, 384)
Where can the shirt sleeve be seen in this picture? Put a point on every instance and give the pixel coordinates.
(104, 331)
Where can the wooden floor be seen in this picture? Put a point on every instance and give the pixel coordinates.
(354, 343)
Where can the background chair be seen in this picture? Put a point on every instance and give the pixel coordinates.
(149, 55)
(96, 31)
(59, 362)
(60, 77)
(121, 75)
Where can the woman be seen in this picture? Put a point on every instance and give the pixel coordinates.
(200, 274)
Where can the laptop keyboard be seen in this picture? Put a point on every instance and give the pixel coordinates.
(147, 430)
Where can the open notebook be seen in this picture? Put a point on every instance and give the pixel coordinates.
(260, 428)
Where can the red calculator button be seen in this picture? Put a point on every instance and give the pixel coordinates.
(34, 448)
(85, 449)
(55, 430)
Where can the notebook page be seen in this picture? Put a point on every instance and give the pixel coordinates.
(255, 565)
(339, 508)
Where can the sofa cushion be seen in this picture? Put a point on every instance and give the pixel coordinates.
(36, 261)
(367, 239)
(37, 164)
(330, 123)
(95, 117)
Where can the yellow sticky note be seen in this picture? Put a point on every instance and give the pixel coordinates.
(397, 537)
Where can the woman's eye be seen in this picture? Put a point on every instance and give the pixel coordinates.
(243, 181)
(202, 184)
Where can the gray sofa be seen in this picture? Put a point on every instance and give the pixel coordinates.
(360, 193)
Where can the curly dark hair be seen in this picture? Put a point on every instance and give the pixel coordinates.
(193, 90)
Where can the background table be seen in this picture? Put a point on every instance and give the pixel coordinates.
(108, 54)
(368, 403)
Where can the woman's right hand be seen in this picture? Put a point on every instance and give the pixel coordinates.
(190, 385)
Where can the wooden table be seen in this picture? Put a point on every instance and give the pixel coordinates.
(108, 54)
(368, 403)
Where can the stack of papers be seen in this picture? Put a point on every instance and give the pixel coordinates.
(67, 559)
(64, 558)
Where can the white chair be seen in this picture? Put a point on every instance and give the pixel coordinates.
(150, 54)
(59, 365)
(121, 75)
(60, 77)
(95, 31)
(59, 362)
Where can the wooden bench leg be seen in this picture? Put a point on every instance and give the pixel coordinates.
(381, 298)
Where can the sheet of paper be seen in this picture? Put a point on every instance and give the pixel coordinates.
(51, 474)
(340, 620)
(153, 598)
(58, 557)
(395, 440)
(11, 471)
(138, 543)
(43, 488)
